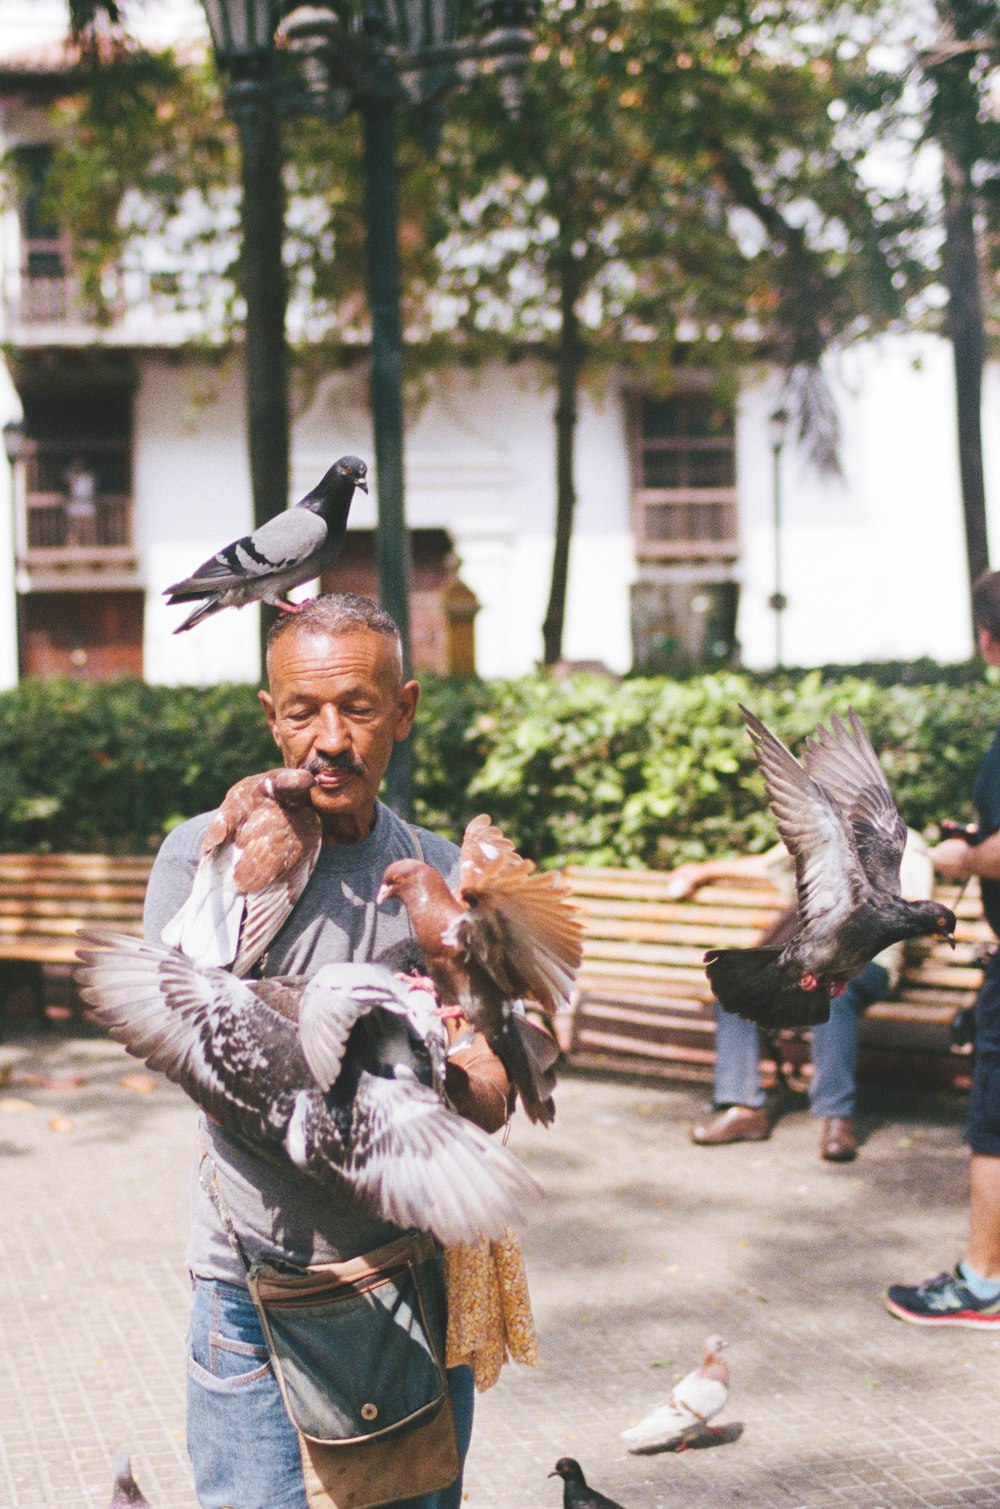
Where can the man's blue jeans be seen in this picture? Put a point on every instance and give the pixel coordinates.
(241, 1442)
(834, 1051)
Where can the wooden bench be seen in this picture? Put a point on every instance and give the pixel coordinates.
(642, 999)
(46, 898)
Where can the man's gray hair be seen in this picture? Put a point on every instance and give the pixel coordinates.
(336, 613)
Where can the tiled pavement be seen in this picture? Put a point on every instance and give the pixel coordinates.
(645, 1244)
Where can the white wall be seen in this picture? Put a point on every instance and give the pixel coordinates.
(874, 563)
(10, 409)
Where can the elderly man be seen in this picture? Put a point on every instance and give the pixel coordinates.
(336, 705)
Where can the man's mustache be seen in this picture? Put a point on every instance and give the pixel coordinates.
(346, 762)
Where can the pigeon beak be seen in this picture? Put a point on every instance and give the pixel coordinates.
(360, 482)
(384, 892)
(951, 939)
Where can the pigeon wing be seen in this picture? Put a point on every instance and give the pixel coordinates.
(845, 764)
(276, 855)
(828, 874)
(282, 544)
(522, 931)
(484, 849)
(700, 1395)
(423, 1166)
(203, 1028)
(336, 997)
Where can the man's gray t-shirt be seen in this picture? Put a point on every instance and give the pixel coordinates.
(278, 1211)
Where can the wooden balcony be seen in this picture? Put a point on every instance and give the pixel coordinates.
(63, 541)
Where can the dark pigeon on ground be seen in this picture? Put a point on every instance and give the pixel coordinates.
(289, 549)
(838, 820)
(343, 1073)
(257, 856)
(576, 1492)
(510, 933)
(127, 1493)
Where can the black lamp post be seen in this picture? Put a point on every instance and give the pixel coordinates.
(243, 41)
(369, 55)
(778, 428)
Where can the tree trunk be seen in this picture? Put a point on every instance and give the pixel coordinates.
(264, 286)
(965, 330)
(569, 362)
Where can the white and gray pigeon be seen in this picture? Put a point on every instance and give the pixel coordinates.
(257, 855)
(837, 819)
(289, 549)
(342, 1072)
(126, 1494)
(685, 1413)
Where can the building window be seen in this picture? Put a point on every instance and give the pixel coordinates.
(44, 258)
(684, 461)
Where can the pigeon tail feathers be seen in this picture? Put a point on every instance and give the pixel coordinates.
(749, 982)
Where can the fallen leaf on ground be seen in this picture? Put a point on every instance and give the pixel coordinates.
(139, 1084)
(62, 1124)
(55, 1081)
(12, 1106)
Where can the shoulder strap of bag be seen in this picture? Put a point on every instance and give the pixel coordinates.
(414, 840)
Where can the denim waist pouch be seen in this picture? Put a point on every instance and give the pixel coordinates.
(357, 1347)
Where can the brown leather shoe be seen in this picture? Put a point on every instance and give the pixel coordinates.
(734, 1124)
(838, 1143)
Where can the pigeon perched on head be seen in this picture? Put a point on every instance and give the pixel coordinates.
(577, 1494)
(685, 1413)
(837, 819)
(127, 1493)
(510, 933)
(343, 1072)
(257, 855)
(291, 548)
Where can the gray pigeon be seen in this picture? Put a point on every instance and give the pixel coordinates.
(127, 1493)
(289, 549)
(342, 1072)
(837, 819)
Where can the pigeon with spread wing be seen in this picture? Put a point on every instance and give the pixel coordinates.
(257, 855)
(837, 818)
(289, 549)
(510, 934)
(343, 1073)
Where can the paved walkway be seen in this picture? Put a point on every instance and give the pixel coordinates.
(645, 1245)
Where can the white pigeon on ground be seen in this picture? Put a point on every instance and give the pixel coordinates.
(257, 855)
(126, 1494)
(685, 1414)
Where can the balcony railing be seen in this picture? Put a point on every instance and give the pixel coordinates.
(65, 526)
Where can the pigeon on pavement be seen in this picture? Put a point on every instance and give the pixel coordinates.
(694, 1401)
(838, 820)
(258, 853)
(343, 1072)
(576, 1492)
(127, 1493)
(289, 549)
(509, 934)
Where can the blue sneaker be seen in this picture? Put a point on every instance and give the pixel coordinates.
(943, 1301)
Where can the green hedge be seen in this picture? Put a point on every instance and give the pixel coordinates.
(645, 772)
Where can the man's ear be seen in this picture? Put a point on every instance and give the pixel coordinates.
(407, 699)
(267, 702)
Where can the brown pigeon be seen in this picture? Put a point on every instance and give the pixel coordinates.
(258, 853)
(509, 934)
(126, 1494)
(838, 820)
(685, 1413)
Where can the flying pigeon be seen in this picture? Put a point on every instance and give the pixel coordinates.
(576, 1492)
(289, 549)
(257, 855)
(510, 933)
(694, 1401)
(343, 1072)
(127, 1493)
(837, 819)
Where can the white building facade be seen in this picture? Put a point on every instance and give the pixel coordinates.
(675, 528)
